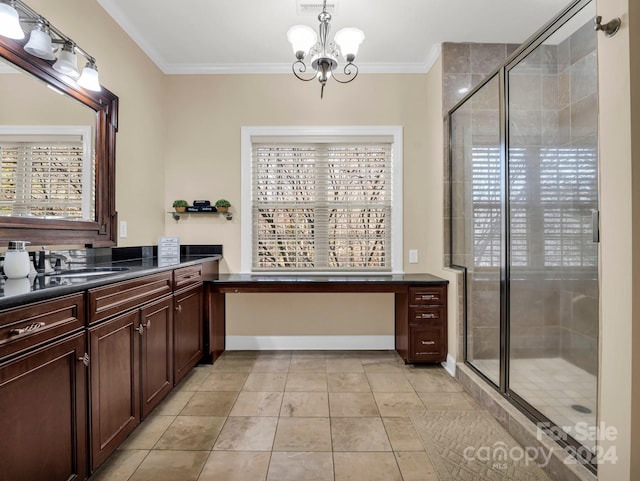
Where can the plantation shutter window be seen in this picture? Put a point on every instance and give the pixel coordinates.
(321, 204)
(46, 176)
(557, 214)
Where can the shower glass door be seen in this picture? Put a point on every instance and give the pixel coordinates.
(552, 175)
(477, 220)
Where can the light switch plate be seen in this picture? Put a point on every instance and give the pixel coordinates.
(123, 228)
(413, 256)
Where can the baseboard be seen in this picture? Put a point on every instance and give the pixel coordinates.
(450, 365)
(327, 343)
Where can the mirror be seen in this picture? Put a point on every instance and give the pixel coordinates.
(58, 152)
(47, 151)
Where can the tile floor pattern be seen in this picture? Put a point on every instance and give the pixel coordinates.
(290, 416)
(553, 385)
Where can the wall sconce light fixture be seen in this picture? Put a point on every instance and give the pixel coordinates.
(47, 42)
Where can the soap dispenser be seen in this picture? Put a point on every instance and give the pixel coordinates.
(16, 260)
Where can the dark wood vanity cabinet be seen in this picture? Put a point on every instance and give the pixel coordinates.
(131, 357)
(43, 397)
(79, 373)
(188, 327)
(188, 319)
(156, 353)
(427, 324)
(114, 383)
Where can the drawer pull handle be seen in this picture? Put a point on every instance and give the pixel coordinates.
(84, 359)
(428, 315)
(179, 308)
(31, 327)
(427, 343)
(429, 297)
(427, 353)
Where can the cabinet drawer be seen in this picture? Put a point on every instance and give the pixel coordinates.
(420, 296)
(435, 314)
(187, 276)
(117, 298)
(34, 324)
(427, 343)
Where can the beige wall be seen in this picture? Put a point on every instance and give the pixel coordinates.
(634, 48)
(203, 141)
(430, 181)
(619, 398)
(203, 161)
(27, 101)
(191, 148)
(130, 74)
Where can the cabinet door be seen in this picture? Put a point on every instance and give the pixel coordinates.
(427, 343)
(115, 405)
(156, 356)
(188, 334)
(43, 408)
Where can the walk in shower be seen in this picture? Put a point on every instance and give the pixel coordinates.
(524, 225)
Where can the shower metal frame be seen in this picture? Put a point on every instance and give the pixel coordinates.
(501, 73)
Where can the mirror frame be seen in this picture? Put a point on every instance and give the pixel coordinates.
(102, 231)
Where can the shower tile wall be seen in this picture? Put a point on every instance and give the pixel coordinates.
(552, 186)
(577, 122)
(464, 66)
(552, 101)
(533, 120)
(551, 106)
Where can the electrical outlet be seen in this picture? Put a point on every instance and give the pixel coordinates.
(413, 256)
(123, 228)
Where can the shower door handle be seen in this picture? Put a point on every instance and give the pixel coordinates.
(595, 225)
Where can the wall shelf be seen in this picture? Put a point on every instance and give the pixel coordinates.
(176, 215)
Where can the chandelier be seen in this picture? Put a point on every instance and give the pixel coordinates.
(323, 53)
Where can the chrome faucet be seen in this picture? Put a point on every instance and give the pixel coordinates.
(43, 261)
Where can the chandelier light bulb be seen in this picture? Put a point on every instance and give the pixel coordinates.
(349, 40)
(302, 38)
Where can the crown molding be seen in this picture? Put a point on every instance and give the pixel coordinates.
(285, 68)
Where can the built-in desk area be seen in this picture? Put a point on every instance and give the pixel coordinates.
(420, 305)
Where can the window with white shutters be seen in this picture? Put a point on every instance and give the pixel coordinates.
(322, 204)
(46, 175)
(569, 194)
(555, 214)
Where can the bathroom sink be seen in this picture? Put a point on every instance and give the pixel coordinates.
(88, 271)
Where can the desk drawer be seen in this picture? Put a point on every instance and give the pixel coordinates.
(34, 324)
(117, 298)
(427, 314)
(187, 276)
(429, 296)
(427, 343)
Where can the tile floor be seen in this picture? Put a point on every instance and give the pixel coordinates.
(553, 385)
(290, 416)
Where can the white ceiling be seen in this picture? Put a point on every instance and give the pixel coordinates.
(249, 36)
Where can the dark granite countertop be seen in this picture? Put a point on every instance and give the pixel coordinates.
(138, 261)
(311, 278)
